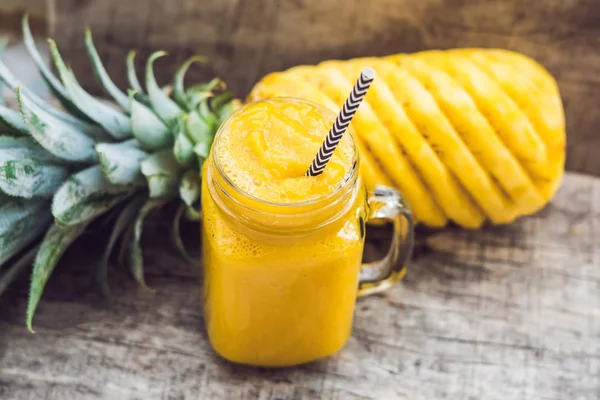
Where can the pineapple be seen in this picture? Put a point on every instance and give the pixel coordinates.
(467, 135)
(61, 169)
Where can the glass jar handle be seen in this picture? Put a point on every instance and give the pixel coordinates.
(388, 205)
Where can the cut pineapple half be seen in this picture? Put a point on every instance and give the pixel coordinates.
(466, 134)
(379, 142)
(447, 192)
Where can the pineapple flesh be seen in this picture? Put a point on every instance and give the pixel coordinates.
(467, 135)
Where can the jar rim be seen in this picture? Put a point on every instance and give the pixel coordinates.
(347, 182)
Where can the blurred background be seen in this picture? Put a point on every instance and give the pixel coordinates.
(247, 39)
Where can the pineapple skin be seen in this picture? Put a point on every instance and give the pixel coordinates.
(467, 135)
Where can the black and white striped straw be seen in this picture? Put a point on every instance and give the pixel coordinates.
(341, 122)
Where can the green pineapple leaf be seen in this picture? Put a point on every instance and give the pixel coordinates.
(189, 189)
(199, 131)
(215, 83)
(126, 218)
(56, 241)
(162, 173)
(208, 116)
(26, 178)
(9, 79)
(12, 121)
(21, 222)
(3, 45)
(26, 170)
(178, 83)
(27, 147)
(86, 195)
(121, 98)
(198, 93)
(16, 268)
(226, 110)
(149, 130)
(113, 151)
(10, 142)
(53, 83)
(120, 162)
(183, 149)
(164, 106)
(222, 105)
(136, 256)
(114, 121)
(176, 235)
(202, 150)
(132, 74)
(57, 137)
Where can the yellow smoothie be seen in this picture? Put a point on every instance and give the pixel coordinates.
(282, 251)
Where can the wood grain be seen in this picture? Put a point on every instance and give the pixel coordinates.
(504, 313)
(247, 39)
(11, 12)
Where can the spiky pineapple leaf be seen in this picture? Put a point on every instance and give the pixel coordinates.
(126, 218)
(226, 110)
(28, 147)
(3, 46)
(189, 188)
(164, 106)
(26, 178)
(149, 130)
(16, 268)
(221, 106)
(183, 149)
(10, 142)
(21, 222)
(136, 256)
(200, 92)
(215, 83)
(121, 98)
(198, 130)
(202, 150)
(114, 121)
(12, 121)
(56, 241)
(86, 195)
(208, 115)
(57, 137)
(162, 171)
(53, 82)
(189, 192)
(11, 81)
(221, 100)
(120, 162)
(176, 235)
(27, 170)
(178, 84)
(131, 73)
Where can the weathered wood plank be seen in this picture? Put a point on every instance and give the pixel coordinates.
(11, 12)
(503, 313)
(247, 39)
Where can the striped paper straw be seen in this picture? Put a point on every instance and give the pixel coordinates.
(341, 122)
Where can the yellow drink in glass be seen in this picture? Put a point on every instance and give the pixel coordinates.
(282, 251)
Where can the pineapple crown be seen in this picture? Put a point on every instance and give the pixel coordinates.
(60, 168)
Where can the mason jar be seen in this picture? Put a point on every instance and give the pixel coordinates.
(281, 279)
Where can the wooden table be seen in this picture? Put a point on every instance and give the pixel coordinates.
(504, 313)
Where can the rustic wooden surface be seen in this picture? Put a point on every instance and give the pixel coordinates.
(247, 39)
(11, 12)
(505, 313)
